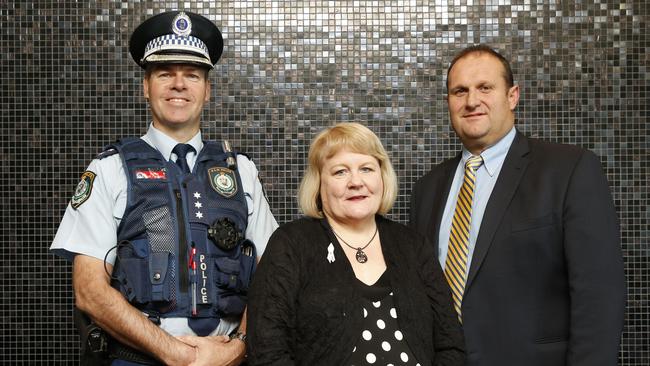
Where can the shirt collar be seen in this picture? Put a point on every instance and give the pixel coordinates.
(163, 143)
(494, 155)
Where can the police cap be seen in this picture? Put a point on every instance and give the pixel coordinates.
(176, 37)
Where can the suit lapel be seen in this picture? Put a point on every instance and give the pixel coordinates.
(443, 181)
(513, 169)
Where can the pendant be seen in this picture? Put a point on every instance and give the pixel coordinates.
(361, 256)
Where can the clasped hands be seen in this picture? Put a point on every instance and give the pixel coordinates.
(215, 350)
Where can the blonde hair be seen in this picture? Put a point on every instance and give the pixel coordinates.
(353, 137)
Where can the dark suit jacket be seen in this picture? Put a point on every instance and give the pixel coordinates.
(546, 284)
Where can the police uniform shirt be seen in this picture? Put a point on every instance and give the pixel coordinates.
(91, 228)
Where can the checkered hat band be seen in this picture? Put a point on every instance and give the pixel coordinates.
(172, 42)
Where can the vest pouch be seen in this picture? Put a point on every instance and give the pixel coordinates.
(235, 274)
(158, 268)
(248, 262)
(142, 274)
(229, 300)
(227, 273)
(130, 271)
(233, 279)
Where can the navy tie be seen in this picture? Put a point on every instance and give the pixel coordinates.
(181, 151)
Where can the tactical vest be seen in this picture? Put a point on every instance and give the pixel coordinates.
(181, 250)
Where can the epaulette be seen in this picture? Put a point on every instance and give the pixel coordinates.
(230, 160)
(106, 153)
(112, 148)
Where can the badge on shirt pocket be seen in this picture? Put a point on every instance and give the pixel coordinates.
(223, 181)
(83, 190)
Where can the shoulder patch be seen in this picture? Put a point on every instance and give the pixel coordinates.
(83, 190)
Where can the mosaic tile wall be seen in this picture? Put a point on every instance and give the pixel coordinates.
(290, 68)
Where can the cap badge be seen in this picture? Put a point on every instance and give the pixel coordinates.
(182, 25)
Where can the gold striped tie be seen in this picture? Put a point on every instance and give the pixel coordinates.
(456, 262)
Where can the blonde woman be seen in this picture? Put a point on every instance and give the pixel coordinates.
(344, 285)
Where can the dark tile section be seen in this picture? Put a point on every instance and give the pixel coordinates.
(289, 69)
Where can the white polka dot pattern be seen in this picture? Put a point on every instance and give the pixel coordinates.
(404, 357)
(398, 335)
(381, 324)
(385, 346)
(366, 335)
(381, 343)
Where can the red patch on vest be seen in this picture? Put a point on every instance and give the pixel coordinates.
(150, 174)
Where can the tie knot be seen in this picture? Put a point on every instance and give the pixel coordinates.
(181, 150)
(474, 162)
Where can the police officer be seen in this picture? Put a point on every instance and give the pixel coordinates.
(164, 230)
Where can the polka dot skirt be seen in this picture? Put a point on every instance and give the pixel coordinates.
(381, 341)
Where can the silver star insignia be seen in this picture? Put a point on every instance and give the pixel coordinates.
(197, 195)
(198, 204)
(199, 215)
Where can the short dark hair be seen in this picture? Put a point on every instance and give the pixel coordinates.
(481, 48)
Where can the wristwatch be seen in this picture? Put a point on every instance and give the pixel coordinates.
(239, 335)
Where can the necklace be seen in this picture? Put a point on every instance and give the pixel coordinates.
(361, 256)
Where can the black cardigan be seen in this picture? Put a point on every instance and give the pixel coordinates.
(304, 310)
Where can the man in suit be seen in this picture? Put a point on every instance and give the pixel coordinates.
(527, 233)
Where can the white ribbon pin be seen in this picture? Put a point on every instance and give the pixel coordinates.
(330, 253)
